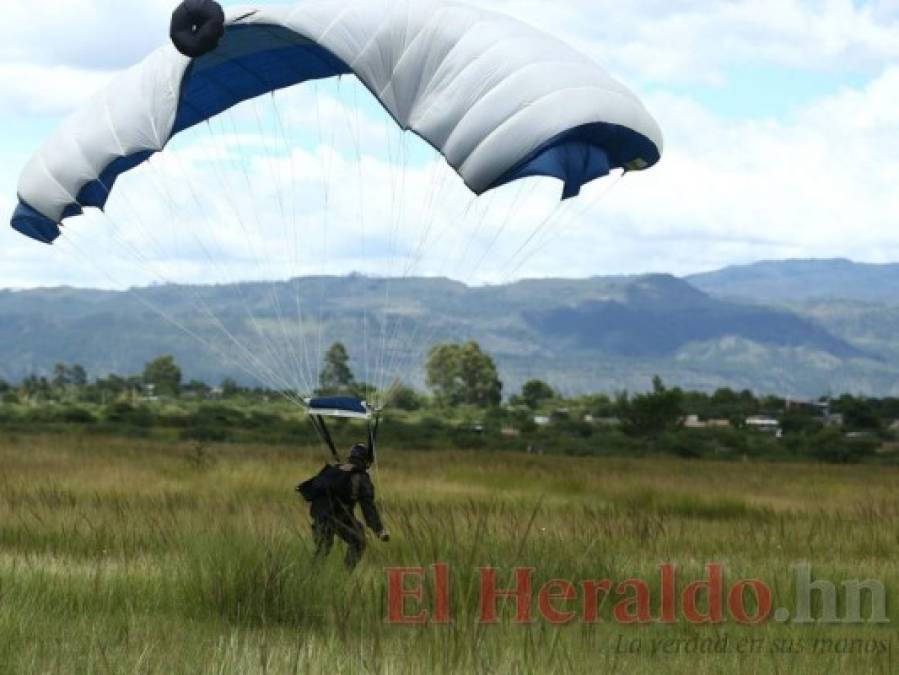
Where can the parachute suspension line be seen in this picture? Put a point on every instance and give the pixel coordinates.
(424, 221)
(266, 342)
(550, 218)
(289, 348)
(540, 233)
(289, 229)
(168, 317)
(403, 341)
(513, 211)
(398, 214)
(428, 217)
(390, 332)
(429, 334)
(296, 266)
(378, 379)
(311, 375)
(486, 204)
(461, 259)
(212, 259)
(357, 140)
(137, 255)
(251, 247)
(264, 260)
(326, 225)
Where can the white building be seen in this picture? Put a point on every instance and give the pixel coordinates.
(766, 424)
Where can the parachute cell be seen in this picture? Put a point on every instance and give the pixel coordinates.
(499, 99)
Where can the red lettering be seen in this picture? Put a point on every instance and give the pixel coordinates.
(714, 591)
(735, 601)
(441, 593)
(556, 589)
(490, 595)
(592, 604)
(633, 609)
(397, 594)
(668, 574)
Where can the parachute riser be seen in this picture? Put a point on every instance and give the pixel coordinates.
(321, 427)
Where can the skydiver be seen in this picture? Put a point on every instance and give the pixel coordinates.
(333, 495)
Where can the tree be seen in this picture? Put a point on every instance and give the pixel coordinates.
(535, 392)
(463, 375)
(61, 376)
(653, 413)
(196, 388)
(405, 398)
(36, 388)
(78, 376)
(858, 414)
(165, 376)
(65, 376)
(337, 378)
(230, 388)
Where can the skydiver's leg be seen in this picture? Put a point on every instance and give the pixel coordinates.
(322, 531)
(352, 533)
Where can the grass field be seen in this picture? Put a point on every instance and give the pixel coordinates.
(121, 556)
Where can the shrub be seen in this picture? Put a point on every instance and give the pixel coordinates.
(126, 414)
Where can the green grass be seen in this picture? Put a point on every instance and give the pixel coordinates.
(130, 555)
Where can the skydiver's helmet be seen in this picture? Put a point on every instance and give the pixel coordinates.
(361, 455)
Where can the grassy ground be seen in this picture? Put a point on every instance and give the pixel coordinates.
(120, 556)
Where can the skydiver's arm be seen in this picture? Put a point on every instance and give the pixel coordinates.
(364, 491)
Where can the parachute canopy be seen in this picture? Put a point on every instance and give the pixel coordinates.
(499, 99)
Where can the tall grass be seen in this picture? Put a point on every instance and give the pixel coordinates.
(120, 556)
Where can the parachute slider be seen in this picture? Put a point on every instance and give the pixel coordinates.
(339, 406)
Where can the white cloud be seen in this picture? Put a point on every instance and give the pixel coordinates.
(30, 89)
(818, 183)
(696, 41)
(83, 34)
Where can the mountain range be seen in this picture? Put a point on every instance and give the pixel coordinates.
(798, 328)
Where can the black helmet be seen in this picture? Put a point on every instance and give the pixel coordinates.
(360, 453)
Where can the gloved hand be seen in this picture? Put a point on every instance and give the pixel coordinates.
(384, 536)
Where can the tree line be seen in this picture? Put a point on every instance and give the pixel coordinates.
(464, 391)
(464, 375)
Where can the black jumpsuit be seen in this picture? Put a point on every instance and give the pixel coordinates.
(333, 513)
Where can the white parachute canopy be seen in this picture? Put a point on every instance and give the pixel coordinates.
(499, 99)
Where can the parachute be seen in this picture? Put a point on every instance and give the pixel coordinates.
(495, 101)
(498, 99)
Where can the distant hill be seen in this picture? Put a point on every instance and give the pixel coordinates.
(599, 334)
(660, 315)
(802, 280)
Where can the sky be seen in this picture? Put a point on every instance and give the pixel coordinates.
(781, 124)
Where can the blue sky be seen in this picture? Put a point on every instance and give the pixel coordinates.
(781, 120)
